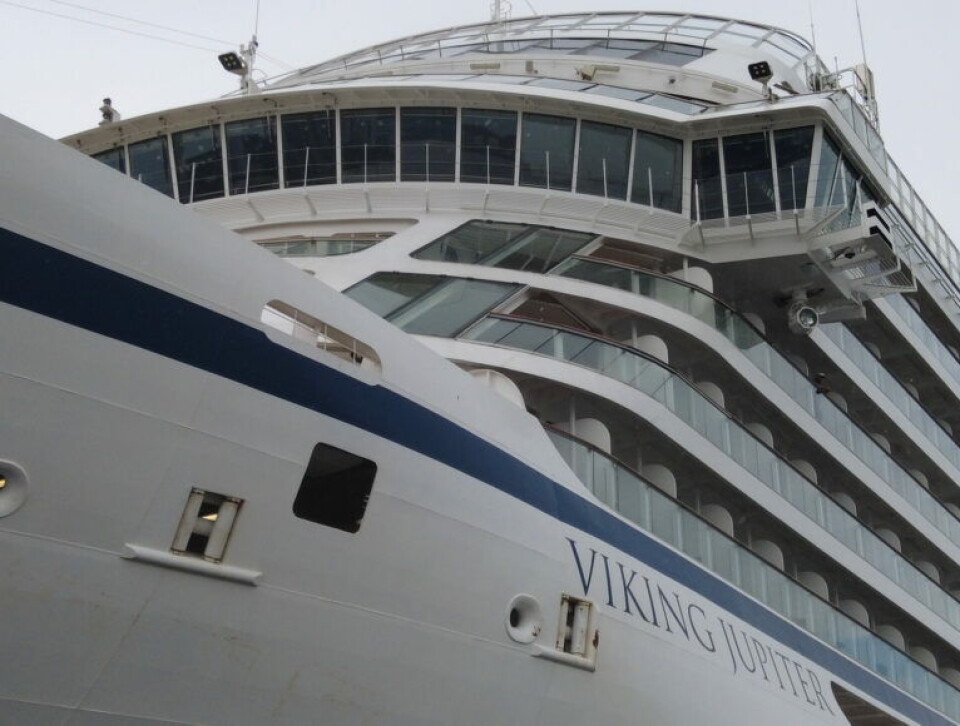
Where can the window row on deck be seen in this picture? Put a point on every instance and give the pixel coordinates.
(734, 175)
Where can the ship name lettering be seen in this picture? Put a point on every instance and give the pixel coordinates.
(641, 596)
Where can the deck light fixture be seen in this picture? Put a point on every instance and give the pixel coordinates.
(760, 71)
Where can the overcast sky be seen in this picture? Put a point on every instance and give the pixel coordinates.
(59, 69)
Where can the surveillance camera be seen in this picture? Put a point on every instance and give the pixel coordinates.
(802, 318)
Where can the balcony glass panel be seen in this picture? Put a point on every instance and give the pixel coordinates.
(604, 160)
(428, 141)
(681, 528)
(309, 148)
(369, 145)
(252, 162)
(488, 146)
(199, 161)
(919, 327)
(785, 376)
(728, 435)
(150, 164)
(546, 151)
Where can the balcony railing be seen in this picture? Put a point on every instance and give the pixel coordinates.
(626, 492)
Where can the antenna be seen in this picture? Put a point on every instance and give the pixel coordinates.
(813, 30)
(864, 75)
(500, 11)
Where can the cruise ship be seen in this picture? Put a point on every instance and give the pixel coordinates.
(589, 368)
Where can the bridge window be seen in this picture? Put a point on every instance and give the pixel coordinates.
(658, 171)
(309, 148)
(428, 140)
(707, 187)
(199, 162)
(604, 160)
(150, 164)
(793, 148)
(369, 141)
(749, 171)
(113, 158)
(488, 146)
(252, 155)
(546, 151)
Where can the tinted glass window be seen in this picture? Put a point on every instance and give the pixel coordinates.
(657, 171)
(309, 148)
(540, 250)
(150, 164)
(428, 142)
(472, 242)
(199, 163)
(546, 151)
(113, 158)
(488, 146)
(604, 160)
(335, 488)
(451, 306)
(749, 170)
(369, 144)
(793, 147)
(828, 175)
(386, 292)
(252, 155)
(707, 191)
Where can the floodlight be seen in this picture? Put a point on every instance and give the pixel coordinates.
(802, 318)
(233, 63)
(760, 71)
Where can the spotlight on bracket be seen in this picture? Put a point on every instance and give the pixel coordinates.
(760, 71)
(802, 318)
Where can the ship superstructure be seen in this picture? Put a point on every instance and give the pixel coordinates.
(719, 337)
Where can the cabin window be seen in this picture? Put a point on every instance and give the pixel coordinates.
(150, 164)
(604, 160)
(546, 151)
(199, 163)
(309, 148)
(657, 171)
(428, 143)
(252, 155)
(369, 141)
(488, 146)
(335, 488)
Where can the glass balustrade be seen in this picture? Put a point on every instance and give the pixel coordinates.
(727, 434)
(867, 363)
(623, 490)
(685, 298)
(919, 327)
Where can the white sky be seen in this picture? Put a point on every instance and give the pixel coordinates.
(58, 70)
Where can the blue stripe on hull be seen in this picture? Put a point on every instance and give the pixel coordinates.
(58, 285)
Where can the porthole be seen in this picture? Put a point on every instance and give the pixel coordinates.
(524, 619)
(13, 487)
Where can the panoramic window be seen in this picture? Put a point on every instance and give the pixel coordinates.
(345, 243)
(539, 250)
(252, 155)
(429, 304)
(113, 158)
(657, 171)
(793, 148)
(472, 242)
(199, 163)
(749, 172)
(335, 488)
(604, 160)
(488, 146)
(546, 151)
(309, 148)
(150, 164)
(707, 189)
(369, 143)
(428, 141)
